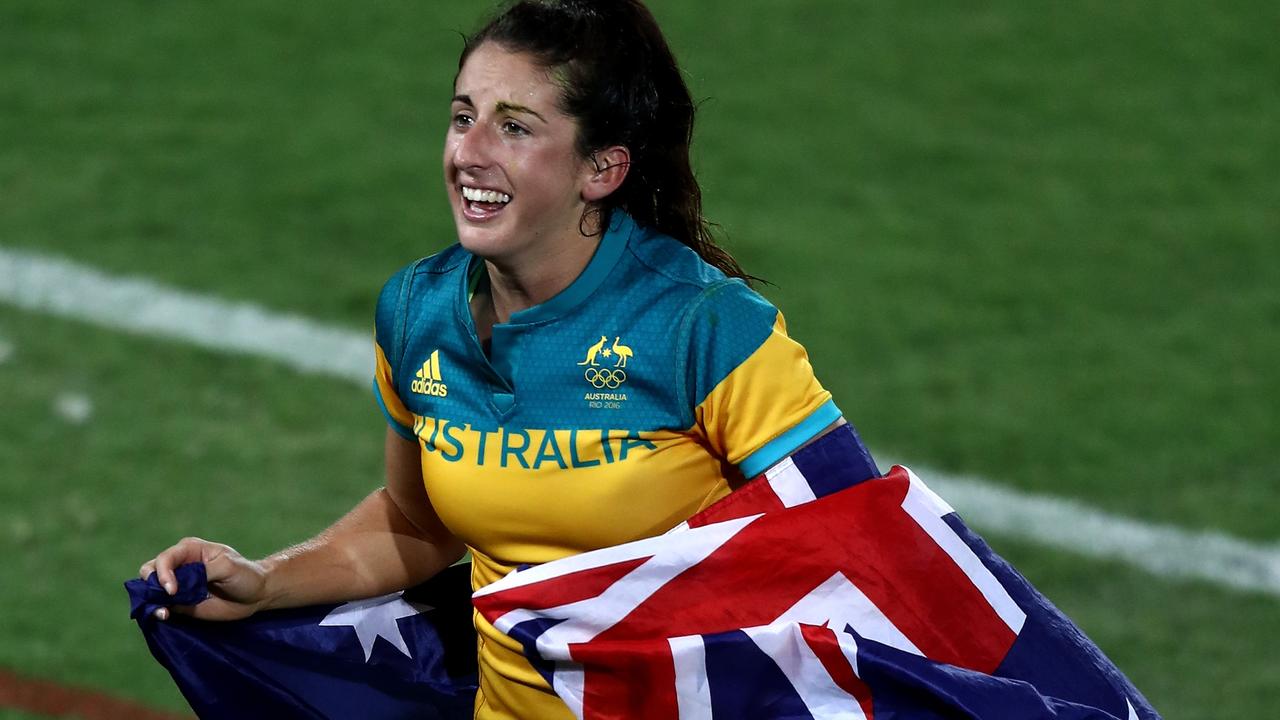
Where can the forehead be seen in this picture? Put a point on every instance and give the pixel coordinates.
(493, 74)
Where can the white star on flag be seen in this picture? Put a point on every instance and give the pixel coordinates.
(374, 618)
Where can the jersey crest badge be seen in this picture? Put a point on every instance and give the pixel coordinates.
(618, 352)
(605, 363)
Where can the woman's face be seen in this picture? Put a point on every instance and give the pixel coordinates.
(512, 172)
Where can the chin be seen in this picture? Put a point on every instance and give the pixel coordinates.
(486, 241)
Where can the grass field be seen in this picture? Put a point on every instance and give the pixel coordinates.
(1030, 241)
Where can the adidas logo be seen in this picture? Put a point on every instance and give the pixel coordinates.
(428, 378)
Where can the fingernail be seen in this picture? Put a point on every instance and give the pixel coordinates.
(162, 614)
(169, 588)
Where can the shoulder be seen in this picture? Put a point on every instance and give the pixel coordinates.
(729, 303)
(726, 323)
(404, 293)
(671, 261)
(422, 275)
(703, 301)
(699, 286)
(425, 270)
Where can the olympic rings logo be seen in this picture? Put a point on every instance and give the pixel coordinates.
(601, 379)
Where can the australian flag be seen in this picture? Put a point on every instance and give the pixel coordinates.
(812, 592)
(404, 655)
(815, 591)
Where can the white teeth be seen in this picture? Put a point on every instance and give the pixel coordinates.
(485, 196)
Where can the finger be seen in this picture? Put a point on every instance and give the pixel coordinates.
(218, 564)
(147, 568)
(224, 565)
(164, 563)
(187, 550)
(161, 613)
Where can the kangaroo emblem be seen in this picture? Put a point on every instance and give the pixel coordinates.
(622, 351)
(593, 351)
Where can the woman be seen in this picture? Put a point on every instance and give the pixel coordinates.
(584, 368)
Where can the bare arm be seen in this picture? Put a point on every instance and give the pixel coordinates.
(391, 540)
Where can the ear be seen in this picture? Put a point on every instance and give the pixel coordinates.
(607, 169)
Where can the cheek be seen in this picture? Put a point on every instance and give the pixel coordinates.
(557, 174)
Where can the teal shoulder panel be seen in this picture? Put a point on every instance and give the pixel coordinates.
(674, 260)
(388, 316)
(444, 261)
(723, 326)
(391, 315)
(396, 311)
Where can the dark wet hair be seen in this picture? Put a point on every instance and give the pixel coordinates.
(620, 80)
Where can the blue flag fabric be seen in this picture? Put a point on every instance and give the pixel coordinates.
(404, 655)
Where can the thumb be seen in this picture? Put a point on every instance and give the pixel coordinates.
(221, 563)
(233, 578)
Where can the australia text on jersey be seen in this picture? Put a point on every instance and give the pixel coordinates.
(528, 448)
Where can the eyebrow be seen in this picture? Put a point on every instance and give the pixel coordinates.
(503, 107)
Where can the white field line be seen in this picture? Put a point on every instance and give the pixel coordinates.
(59, 287)
(1071, 525)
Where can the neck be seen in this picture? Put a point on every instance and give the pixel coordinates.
(531, 278)
(518, 286)
(541, 273)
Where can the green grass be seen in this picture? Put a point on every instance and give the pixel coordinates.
(1028, 241)
(180, 442)
(6, 714)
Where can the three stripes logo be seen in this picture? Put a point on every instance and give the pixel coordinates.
(427, 380)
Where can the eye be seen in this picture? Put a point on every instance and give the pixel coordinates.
(462, 120)
(511, 127)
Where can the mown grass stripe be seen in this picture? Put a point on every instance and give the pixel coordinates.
(60, 287)
(1164, 550)
(57, 286)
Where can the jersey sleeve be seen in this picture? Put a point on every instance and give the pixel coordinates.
(389, 319)
(753, 392)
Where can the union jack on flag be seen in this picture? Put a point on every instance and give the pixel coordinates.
(812, 592)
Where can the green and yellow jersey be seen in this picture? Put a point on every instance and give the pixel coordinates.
(633, 399)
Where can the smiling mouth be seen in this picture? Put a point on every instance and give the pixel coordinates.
(488, 197)
(483, 203)
(479, 205)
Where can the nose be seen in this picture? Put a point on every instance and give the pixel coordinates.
(473, 148)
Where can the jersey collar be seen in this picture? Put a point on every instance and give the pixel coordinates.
(592, 277)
